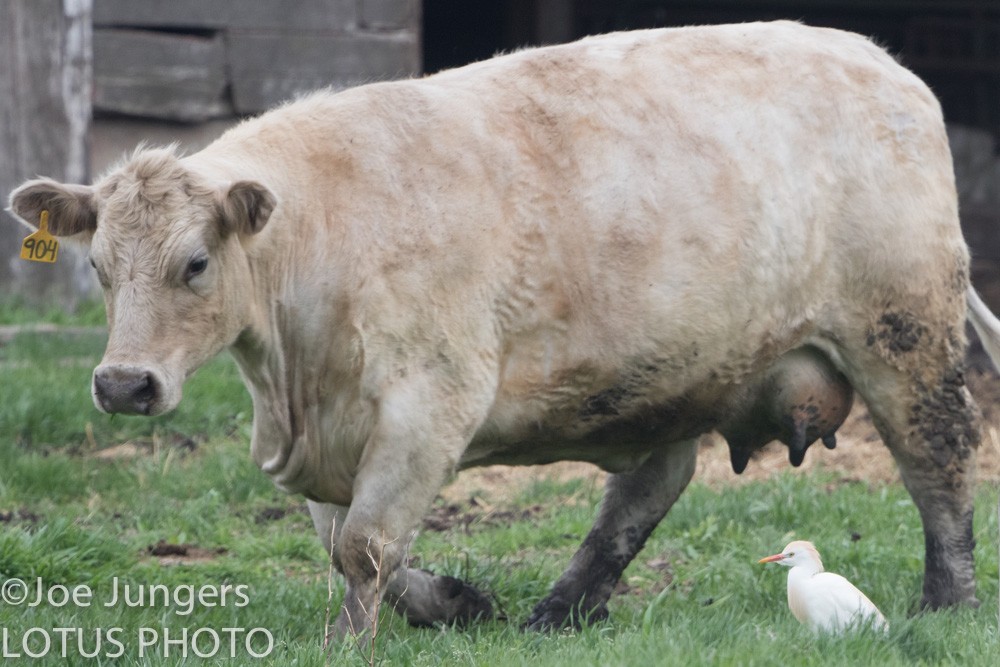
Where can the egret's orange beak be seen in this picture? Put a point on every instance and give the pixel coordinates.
(771, 559)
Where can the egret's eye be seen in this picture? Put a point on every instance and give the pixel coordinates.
(791, 553)
(196, 267)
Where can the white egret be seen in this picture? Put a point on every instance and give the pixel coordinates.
(824, 601)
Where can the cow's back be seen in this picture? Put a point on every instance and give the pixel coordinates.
(678, 155)
(637, 176)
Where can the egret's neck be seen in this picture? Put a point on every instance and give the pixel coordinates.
(804, 570)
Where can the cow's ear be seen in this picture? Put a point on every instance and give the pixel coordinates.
(71, 208)
(246, 207)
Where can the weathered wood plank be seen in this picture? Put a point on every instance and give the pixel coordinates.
(268, 68)
(216, 14)
(160, 75)
(389, 14)
(45, 68)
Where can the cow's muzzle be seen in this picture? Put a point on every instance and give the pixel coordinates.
(126, 389)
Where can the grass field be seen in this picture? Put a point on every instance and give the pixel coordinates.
(94, 503)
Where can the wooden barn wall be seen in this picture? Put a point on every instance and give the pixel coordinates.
(45, 72)
(192, 60)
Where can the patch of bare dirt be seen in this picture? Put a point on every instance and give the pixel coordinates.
(143, 447)
(169, 553)
(19, 516)
(859, 456)
(275, 513)
(501, 485)
(449, 516)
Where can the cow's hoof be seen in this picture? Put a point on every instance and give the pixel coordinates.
(466, 603)
(931, 604)
(457, 603)
(556, 614)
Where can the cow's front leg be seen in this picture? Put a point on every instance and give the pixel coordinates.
(420, 434)
(633, 505)
(372, 548)
(373, 543)
(328, 519)
(423, 597)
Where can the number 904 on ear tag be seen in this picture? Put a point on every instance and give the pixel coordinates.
(40, 246)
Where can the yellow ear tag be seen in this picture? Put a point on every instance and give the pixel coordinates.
(40, 246)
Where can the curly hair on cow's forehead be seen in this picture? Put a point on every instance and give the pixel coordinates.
(151, 177)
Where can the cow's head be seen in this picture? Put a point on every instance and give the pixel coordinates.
(169, 248)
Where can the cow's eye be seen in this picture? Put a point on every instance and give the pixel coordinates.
(101, 278)
(196, 267)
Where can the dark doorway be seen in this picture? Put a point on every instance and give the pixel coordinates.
(954, 45)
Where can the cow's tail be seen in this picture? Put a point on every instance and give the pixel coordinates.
(986, 324)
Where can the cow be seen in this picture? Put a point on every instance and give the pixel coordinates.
(597, 251)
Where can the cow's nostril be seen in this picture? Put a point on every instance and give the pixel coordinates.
(145, 388)
(101, 384)
(127, 390)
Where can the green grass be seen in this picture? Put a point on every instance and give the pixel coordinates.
(695, 594)
(15, 310)
(46, 404)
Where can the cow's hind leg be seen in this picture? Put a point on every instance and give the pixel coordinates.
(422, 597)
(911, 378)
(633, 505)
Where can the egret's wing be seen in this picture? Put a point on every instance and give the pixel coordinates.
(840, 603)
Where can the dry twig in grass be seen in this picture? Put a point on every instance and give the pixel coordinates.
(327, 630)
(371, 613)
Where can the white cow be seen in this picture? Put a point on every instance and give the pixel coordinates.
(596, 251)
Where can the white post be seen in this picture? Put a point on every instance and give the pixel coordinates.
(45, 75)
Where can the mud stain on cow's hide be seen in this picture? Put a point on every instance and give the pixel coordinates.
(940, 554)
(605, 403)
(611, 402)
(614, 442)
(896, 332)
(605, 560)
(634, 386)
(946, 419)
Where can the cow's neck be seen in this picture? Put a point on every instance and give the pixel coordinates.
(286, 359)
